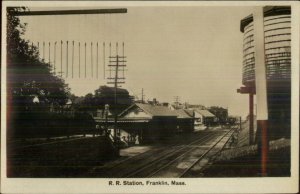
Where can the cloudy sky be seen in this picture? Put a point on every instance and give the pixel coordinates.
(191, 52)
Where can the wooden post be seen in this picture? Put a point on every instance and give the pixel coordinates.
(251, 119)
(261, 87)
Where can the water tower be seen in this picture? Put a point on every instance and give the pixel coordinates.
(277, 33)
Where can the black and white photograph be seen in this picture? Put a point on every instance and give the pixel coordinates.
(149, 97)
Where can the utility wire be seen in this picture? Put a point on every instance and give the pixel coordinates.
(123, 45)
(97, 63)
(103, 60)
(61, 43)
(79, 60)
(44, 51)
(85, 59)
(54, 63)
(72, 58)
(67, 59)
(92, 59)
(49, 54)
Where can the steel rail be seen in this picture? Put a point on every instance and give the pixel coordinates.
(169, 154)
(203, 155)
(155, 150)
(170, 162)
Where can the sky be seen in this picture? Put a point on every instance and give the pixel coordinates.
(191, 52)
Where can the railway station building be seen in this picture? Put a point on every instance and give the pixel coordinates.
(149, 122)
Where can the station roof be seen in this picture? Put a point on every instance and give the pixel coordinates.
(152, 110)
(184, 114)
(121, 120)
(204, 113)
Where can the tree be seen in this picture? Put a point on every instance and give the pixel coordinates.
(106, 95)
(29, 77)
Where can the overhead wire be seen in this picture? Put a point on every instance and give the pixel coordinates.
(103, 60)
(54, 60)
(97, 62)
(110, 68)
(61, 63)
(54, 65)
(67, 59)
(104, 30)
(85, 22)
(72, 58)
(49, 55)
(43, 51)
(79, 59)
(92, 59)
(85, 60)
(123, 68)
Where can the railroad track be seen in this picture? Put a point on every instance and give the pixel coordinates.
(209, 153)
(167, 166)
(133, 165)
(164, 160)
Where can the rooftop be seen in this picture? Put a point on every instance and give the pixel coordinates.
(184, 114)
(205, 113)
(152, 110)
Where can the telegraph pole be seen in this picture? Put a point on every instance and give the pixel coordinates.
(116, 62)
(176, 101)
(143, 95)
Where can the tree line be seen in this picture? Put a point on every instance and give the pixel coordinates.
(34, 91)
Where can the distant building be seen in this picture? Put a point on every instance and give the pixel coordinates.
(185, 120)
(204, 117)
(153, 102)
(195, 106)
(166, 104)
